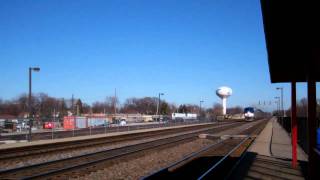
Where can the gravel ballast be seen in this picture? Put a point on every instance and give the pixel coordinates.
(51, 156)
(143, 165)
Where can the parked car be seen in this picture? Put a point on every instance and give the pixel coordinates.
(122, 122)
(48, 125)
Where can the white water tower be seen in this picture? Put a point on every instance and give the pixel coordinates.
(224, 92)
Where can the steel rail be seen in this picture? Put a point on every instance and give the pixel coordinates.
(222, 159)
(229, 153)
(61, 170)
(68, 145)
(157, 174)
(189, 157)
(24, 168)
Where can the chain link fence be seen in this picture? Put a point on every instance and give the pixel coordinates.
(48, 128)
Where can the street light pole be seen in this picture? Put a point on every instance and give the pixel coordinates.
(115, 101)
(36, 69)
(282, 108)
(29, 102)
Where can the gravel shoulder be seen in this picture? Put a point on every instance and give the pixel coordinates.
(51, 156)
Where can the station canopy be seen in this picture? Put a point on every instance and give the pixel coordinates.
(292, 36)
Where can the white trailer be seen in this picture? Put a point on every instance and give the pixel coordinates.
(184, 116)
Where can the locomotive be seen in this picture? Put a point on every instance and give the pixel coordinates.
(249, 114)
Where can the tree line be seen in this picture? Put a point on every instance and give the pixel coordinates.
(47, 106)
(302, 108)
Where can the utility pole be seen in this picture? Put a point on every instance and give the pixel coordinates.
(53, 123)
(62, 106)
(72, 105)
(200, 108)
(78, 110)
(158, 106)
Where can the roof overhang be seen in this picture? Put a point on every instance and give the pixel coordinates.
(292, 36)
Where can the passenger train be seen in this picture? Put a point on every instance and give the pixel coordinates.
(252, 113)
(249, 114)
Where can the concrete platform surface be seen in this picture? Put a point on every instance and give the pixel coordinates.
(269, 157)
(261, 145)
(254, 166)
(281, 144)
(275, 141)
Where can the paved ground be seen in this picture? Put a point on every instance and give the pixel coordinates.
(262, 143)
(281, 144)
(255, 166)
(275, 141)
(269, 157)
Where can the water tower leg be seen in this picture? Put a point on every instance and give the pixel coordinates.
(224, 106)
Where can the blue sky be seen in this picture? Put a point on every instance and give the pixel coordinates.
(186, 49)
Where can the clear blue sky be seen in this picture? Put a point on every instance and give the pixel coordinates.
(185, 49)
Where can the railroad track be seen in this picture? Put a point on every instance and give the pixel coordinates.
(30, 152)
(214, 161)
(20, 152)
(88, 131)
(54, 168)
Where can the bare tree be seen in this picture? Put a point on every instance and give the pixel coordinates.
(188, 108)
(217, 109)
(164, 108)
(235, 110)
(146, 105)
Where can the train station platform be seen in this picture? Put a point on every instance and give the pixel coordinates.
(269, 157)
